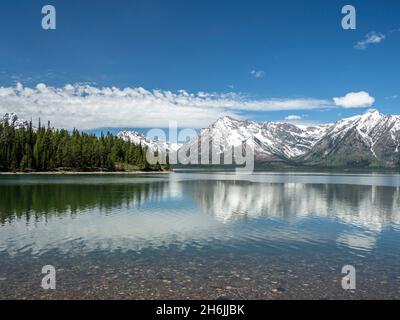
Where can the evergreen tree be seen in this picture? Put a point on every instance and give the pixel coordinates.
(46, 149)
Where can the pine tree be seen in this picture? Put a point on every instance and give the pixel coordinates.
(48, 149)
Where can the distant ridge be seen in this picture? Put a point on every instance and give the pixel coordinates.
(368, 140)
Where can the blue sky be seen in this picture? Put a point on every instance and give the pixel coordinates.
(294, 52)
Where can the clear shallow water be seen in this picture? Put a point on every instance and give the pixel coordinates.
(196, 235)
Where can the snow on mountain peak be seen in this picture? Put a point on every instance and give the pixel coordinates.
(372, 110)
(279, 140)
(13, 120)
(273, 140)
(225, 121)
(155, 145)
(372, 115)
(372, 135)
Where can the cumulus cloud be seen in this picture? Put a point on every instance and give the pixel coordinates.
(370, 38)
(257, 73)
(88, 106)
(360, 99)
(293, 117)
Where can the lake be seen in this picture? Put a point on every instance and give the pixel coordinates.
(200, 235)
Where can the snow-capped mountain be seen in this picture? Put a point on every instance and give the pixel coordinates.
(372, 137)
(273, 141)
(369, 139)
(138, 138)
(13, 120)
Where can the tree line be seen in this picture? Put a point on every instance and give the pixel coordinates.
(48, 149)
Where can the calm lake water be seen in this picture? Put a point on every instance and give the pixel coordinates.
(197, 235)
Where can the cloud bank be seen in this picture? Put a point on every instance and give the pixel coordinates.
(88, 107)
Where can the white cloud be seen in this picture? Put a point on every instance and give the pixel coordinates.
(257, 73)
(360, 99)
(370, 38)
(87, 107)
(293, 117)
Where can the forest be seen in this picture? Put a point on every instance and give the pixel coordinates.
(44, 148)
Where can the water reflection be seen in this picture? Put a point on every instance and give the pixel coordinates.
(137, 213)
(27, 201)
(359, 241)
(371, 207)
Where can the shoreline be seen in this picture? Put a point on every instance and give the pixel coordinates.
(255, 172)
(84, 173)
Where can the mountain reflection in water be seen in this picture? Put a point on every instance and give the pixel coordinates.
(133, 213)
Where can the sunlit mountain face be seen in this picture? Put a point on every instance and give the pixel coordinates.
(368, 140)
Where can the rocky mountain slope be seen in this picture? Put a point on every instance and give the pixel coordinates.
(273, 141)
(138, 138)
(13, 120)
(371, 139)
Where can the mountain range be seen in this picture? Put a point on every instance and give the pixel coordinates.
(368, 140)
